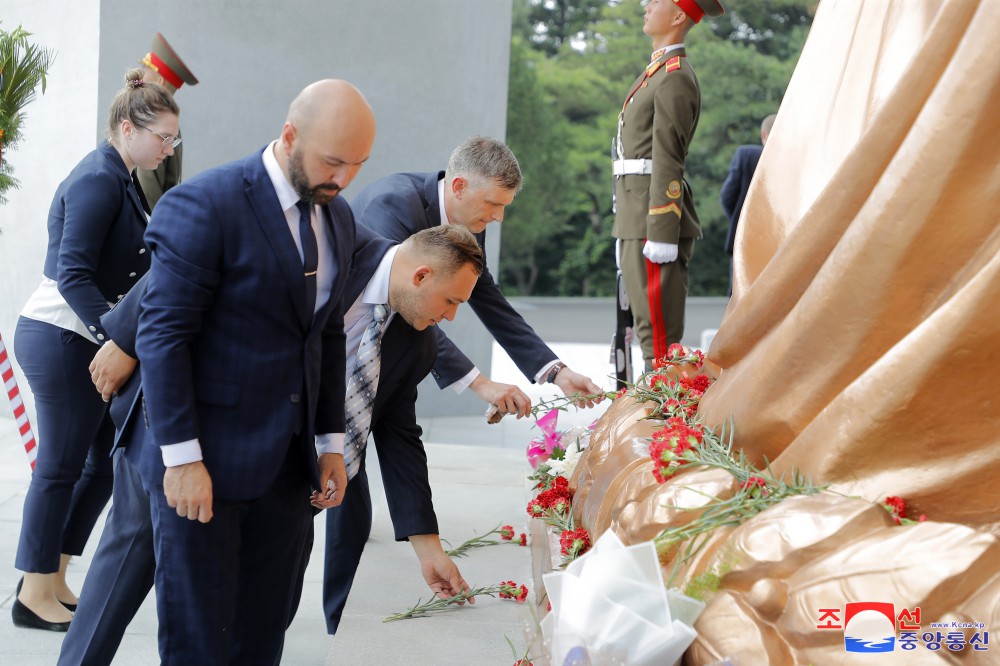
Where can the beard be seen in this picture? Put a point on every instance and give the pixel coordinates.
(312, 194)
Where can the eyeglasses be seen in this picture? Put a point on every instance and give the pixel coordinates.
(172, 141)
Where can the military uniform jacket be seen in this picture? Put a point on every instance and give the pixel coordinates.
(658, 122)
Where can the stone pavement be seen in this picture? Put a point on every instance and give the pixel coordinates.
(477, 473)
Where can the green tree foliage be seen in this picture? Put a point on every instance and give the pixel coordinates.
(571, 65)
(23, 66)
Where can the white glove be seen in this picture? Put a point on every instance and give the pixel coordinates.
(660, 253)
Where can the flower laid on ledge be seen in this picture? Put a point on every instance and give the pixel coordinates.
(574, 543)
(505, 590)
(671, 443)
(669, 388)
(683, 443)
(897, 509)
(553, 505)
(758, 490)
(505, 532)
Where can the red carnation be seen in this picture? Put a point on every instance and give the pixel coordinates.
(524, 539)
(896, 505)
(698, 383)
(574, 542)
(511, 590)
(507, 532)
(755, 485)
(535, 508)
(676, 350)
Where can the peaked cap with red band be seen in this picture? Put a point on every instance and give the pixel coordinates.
(164, 61)
(699, 9)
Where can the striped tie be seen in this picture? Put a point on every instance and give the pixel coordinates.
(361, 391)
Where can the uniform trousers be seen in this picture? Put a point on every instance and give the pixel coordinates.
(73, 472)
(657, 295)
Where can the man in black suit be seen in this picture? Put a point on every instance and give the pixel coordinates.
(423, 281)
(482, 178)
(734, 189)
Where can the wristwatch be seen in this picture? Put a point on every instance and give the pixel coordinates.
(553, 371)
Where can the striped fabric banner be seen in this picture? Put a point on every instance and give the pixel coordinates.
(16, 404)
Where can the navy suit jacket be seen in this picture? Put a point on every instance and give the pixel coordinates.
(402, 204)
(734, 189)
(96, 223)
(229, 353)
(121, 325)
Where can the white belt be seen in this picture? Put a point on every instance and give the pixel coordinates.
(631, 167)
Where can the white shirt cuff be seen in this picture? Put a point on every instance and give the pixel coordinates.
(181, 453)
(465, 382)
(332, 442)
(540, 375)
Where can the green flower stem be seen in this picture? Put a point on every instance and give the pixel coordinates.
(437, 604)
(479, 542)
(564, 402)
(716, 452)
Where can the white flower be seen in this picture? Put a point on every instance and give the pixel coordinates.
(566, 466)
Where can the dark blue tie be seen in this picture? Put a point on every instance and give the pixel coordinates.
(310, 253)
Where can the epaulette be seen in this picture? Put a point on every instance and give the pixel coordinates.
(671, 65)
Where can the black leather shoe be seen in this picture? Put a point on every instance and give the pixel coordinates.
(70, 607)
(25, 618)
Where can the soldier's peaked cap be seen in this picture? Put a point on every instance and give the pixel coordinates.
(699, 9)
(164, 61)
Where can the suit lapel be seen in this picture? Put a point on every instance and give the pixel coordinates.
(118, 166)
(432, 211)
(264, 202)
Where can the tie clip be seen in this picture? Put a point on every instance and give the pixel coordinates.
(310, 273)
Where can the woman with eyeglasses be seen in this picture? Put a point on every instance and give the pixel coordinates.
(95, 254)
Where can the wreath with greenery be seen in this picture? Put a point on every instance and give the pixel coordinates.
(23, 67)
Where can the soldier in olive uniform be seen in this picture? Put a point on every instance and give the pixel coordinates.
(656, 223)
(164, 67)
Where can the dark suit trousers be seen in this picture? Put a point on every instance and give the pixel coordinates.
(119, 577)
(225, 589)
(347, 530)
(72, 480)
